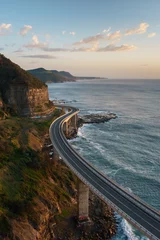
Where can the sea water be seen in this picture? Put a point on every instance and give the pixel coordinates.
(126, 149)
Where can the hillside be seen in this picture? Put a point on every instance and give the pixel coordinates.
(47, 76)
(11, 73)
(21, 92)
(38, 191)
(33, 188)
(65, 74)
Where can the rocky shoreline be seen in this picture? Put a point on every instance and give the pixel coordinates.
(102, 225)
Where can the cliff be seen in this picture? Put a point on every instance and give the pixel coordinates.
(34, 189)
(21, 93)
(49, 76)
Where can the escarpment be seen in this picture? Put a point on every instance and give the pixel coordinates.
(21, 93)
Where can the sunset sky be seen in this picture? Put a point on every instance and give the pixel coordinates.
(106, 38)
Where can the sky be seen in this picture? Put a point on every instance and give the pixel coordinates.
(106, 38)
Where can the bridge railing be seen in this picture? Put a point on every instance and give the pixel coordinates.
(119, 188)
(114, 185)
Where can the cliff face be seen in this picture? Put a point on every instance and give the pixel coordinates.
(21, 92)
(25, 101)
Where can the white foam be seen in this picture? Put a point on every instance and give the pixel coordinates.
(113, 172)
(128, 230)
(125, 229)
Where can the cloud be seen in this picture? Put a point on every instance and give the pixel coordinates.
(90, 39)
(99, 37)
(48, 49)
(5, 28)
(25, 30)
(1, 49)
(35, 43)
(113, 48)
(93, 48)
(107, 36)
(115, 35)
(72, 33)
(152, 35)
(108, 48)
(39, 56)
(107, 30)
(63, 32)
(139, 30)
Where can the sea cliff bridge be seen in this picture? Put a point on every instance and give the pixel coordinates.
(137, 212)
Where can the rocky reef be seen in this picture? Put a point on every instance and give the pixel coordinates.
(96, 118)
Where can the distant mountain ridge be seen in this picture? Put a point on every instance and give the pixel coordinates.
(54, 76)
(88, 78)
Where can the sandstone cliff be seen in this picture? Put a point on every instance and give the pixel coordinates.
(21, 93)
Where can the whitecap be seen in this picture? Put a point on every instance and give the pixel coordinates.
(125, 230)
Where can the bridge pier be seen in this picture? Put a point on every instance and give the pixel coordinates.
(70, 126)
(83, 201)
(66, 128)
(74, 121)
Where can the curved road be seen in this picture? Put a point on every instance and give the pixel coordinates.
(141, 215)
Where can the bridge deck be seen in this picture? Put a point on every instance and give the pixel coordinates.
(130, 207)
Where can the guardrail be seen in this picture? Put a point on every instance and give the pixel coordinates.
(131, 197)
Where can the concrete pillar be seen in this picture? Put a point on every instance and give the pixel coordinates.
(66, 128)
(63, 110)
(74, 121)
(83, 201)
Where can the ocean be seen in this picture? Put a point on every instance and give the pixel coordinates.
(126, 149)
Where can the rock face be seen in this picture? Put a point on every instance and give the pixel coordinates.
(21, 93)
(25, 101)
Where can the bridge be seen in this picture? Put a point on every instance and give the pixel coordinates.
(137, 212)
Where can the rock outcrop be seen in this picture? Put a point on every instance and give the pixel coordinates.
(21, 93)
(96, 118)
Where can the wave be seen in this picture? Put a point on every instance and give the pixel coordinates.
(126, 230)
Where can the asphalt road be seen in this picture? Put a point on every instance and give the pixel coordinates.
(141, 215)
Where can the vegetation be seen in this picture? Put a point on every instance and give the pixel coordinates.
(51, 75)
(26, 173)
(12, 73)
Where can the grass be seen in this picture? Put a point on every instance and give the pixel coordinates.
(25, 172)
